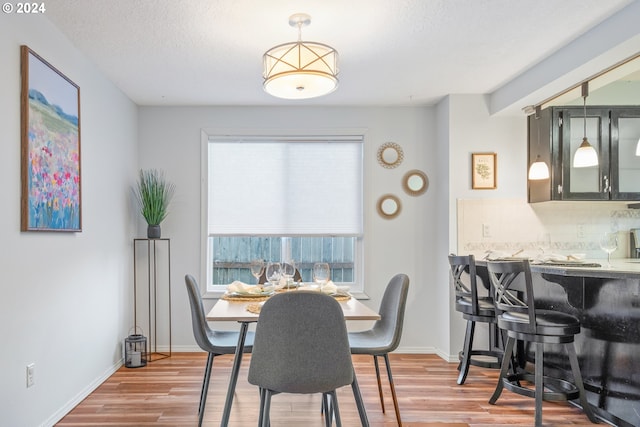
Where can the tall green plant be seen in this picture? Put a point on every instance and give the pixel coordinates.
(153, 193)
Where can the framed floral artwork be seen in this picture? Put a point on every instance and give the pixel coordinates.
(50, 147)
(483, 171)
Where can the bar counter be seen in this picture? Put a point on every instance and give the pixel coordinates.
(607, 302)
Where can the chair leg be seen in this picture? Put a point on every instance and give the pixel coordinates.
(375, 363)
(205, 388)
(335, 411)
(328, 419)
(261, 415)
(506, 358)
(466, 352)
(359, 403)
(539, 379)
(393, 390)
(577, 377)
(266, 408)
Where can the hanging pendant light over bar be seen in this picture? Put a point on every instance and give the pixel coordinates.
(585, 155)
(300, 70)
(539, 169)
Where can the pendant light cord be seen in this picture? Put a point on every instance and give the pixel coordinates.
(585, 93)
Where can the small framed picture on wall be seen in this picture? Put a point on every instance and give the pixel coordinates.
(483, 171)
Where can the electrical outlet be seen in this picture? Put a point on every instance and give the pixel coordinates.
(581, 231)
(486, 230)
(31, 370)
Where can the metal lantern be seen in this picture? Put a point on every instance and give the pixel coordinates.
(135, 351)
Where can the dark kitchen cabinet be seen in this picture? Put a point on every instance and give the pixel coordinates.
(555, 133)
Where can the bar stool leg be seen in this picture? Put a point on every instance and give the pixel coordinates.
(466, 352)
(503, 370)
(539, 379)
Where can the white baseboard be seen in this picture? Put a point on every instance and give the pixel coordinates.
(60, 413)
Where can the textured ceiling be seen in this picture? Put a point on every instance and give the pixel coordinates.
(392, 52)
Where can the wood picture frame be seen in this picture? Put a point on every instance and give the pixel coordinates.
(50, 147)
(389, 206)
(484, 171)
(390, 155)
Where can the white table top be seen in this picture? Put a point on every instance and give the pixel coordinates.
(236, 311)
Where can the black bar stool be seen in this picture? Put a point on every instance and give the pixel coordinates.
(474, 308)
(519, 318)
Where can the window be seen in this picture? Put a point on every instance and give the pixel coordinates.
(280, 198)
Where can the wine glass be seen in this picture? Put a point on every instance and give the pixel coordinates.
(288, 271)
(609, 243)
(274, 273)
(257, 268)
(321, 273)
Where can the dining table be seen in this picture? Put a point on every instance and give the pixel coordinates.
(242, 310)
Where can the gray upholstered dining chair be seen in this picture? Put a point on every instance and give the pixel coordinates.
(215, 343)
(384, 336)
(301, 346)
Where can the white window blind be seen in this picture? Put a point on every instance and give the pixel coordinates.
(285, 186)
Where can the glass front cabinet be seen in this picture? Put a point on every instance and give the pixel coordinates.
(555, 134)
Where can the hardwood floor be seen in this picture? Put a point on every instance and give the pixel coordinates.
(166, 393)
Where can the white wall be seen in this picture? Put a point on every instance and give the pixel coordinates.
(471, 129)
(65, 300)
(170, 140)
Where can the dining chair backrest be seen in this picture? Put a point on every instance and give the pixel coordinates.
(508, 293)
(301, 345)
(463, 267)
(392, 308)
(201, 330)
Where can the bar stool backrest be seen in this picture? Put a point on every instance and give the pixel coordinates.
(464, 267)
(508, 293)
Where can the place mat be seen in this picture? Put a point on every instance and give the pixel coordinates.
(341, 297)
(254, 308)
(245, 298)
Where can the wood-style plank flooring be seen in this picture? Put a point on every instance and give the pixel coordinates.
(166, 393)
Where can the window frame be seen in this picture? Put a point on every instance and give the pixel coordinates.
(215, 291)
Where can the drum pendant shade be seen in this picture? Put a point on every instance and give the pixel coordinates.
(300, 70)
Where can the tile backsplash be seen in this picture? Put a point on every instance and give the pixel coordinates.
(513, 225)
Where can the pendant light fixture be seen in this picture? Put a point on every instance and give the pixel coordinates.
(585, 155)
(300, 70)
(539, 170)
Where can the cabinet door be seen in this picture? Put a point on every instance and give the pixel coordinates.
(590, 183)
(541, 134)
(625, 163)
